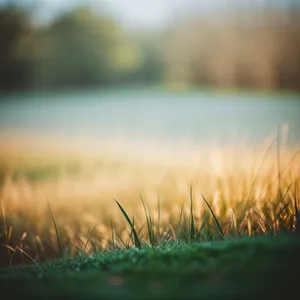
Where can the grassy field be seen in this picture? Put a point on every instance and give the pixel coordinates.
(248, 268)
(210, 222)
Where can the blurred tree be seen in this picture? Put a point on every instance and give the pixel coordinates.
(258, 49)
(151, 61)
(83, 48)
(77, 50)
(15, 29)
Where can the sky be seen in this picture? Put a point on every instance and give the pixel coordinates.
(138, 12)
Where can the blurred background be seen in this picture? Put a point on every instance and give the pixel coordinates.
(174, 71)
(161, 70)
(200, 43)
(199, 71)
(103, 99)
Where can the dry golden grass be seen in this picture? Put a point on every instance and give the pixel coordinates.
(251, 191)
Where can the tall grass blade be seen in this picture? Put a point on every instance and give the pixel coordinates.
(149, 222)
(201, 228)
(180, 220)
(139, 232)
(3, 218)
(121, 240)
(137, 240)
(233, 222)
(278, 166)
(287, 191)
(297, 213)
(261, 218)
(158, 220)
(173, 232)
(77, 248)
(185, 236)
(256, 175)
(22, 252)
(80, 239)
(270, 204)
(59, 244)
(89, 238)
(261, 221)
(281, 211)
(192, 221)
(112, 233)
(181, 214)
(168, 234)
(130, 239)
(213, 214)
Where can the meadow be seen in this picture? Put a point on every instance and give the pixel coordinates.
(149, 224)
(59, 203)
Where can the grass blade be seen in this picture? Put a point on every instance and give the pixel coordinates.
(256, 175)
(4, 230)
(149, 222)
(200, 229)
(278, 166)
(270, 204)
(137, 240)
(112, 233)
(281, 210)
(262, 219)
(60, 250)
(81, 241)
(297, 212)
(181, 214)
(173, 232)
(158, 220)
(233, 222)
(213, 214)
(184, 233)
(89, 238)
(77, 248)
(129, 239)
(21, 251)
(121, 240)
(287, 191)
(192, 221)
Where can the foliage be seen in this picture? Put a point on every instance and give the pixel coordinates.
(78, 48)
(15, 31)
(81, 48)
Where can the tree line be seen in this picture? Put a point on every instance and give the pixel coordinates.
(82, 48)
(77, 49)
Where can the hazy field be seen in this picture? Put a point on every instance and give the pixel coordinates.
(149, 160)
(251, 191)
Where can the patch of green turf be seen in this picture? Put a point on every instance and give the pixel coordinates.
(247, 268)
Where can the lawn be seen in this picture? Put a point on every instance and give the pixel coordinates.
(245, 268)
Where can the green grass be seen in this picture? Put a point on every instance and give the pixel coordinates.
(285, 220)
(186, 267)
(233, 269)
(187, 256)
